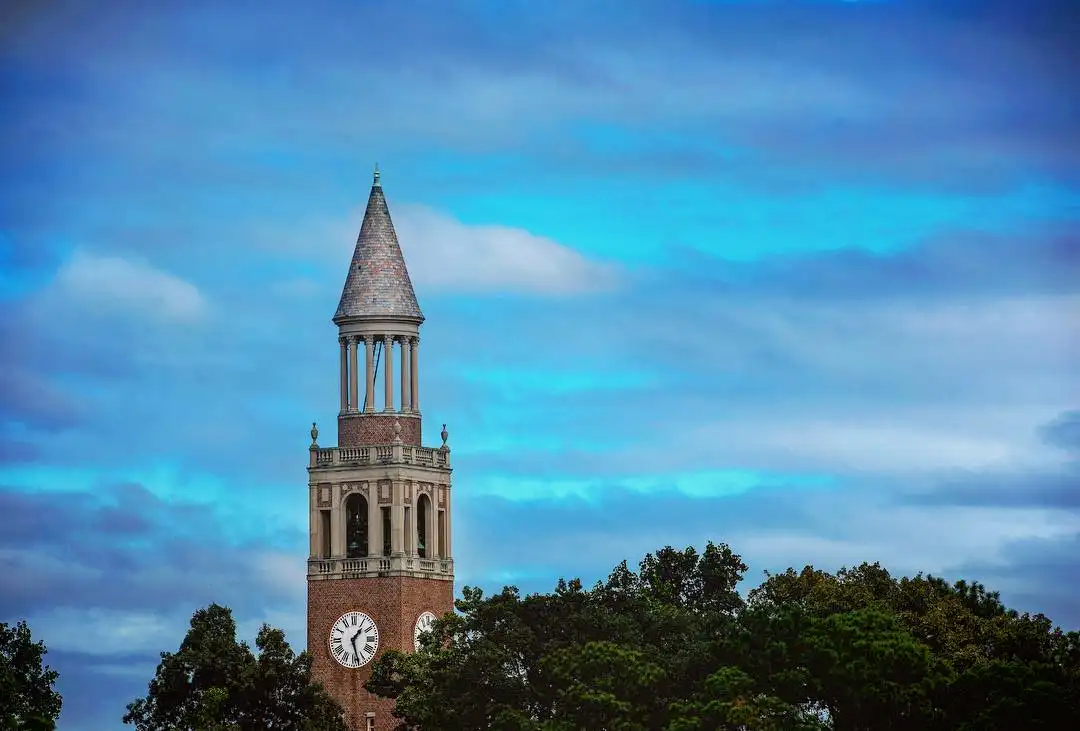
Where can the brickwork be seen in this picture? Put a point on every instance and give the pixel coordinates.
(394, 603)
(366, 429)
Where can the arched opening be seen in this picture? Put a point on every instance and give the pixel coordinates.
(356, 526)
(423, 510)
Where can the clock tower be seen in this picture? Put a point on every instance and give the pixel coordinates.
(380, 567)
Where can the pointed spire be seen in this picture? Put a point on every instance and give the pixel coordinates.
(378, 283)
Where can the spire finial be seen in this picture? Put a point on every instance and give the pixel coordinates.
(376, 175)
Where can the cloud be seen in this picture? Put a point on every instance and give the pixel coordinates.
(1053, 484)
(446, 255)
(13, 451)
(968, 96)
(771, 528)
(99, 632)
(1040, 575)
(122, 549)
(1046, 488)
(133, 287)
(30, 399)
(109, 579)
(1064, 431)
(815, 299)
(96, 689)
(752, 367)
(950, 263)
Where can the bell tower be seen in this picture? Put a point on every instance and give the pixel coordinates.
(380, 566)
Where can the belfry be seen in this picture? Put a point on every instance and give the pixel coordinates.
(380, 566)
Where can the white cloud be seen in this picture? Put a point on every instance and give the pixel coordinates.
(132, 286)
(285, 573)
(905, 539)
(906, 444)
(899, 387)
(108, 631)
(448, 255)
(445, 255)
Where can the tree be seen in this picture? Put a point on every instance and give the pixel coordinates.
(613, 657)
(991, 666)
(731, 701)
(215, 683)
(673, 647)
(27, 699)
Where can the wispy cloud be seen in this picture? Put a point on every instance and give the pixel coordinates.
(798, 276)
(136, 288)
(446, 255)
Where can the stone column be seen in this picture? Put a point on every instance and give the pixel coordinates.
(344, 374)
(354, 376)
(414, 536)
(337, 522)
(369, 362)
(374, 521)
(414, 364)
(388, 357)
(449, 530)
(405, 400)
(397, 518)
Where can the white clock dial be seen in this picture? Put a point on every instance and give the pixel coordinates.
(423, 624)
(354, 638)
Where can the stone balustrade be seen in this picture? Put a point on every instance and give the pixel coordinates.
(355, 568)
(322, 457)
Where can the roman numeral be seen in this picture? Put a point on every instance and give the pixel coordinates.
(353, 620)
(368, 649)
(341, 654)
(336, 643)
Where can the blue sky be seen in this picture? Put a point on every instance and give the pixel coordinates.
(803, 277)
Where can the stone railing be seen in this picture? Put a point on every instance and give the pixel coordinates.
(349, 568)
(379, 454)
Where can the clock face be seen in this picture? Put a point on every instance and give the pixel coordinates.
(423, 624)
(354, 638)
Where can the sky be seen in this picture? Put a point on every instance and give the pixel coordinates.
(798, 276)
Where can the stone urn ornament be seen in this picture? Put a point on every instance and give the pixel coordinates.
(314, 435)
(397, 432)
(444, 434)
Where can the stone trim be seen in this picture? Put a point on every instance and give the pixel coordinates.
(379, 454)
(323, 569)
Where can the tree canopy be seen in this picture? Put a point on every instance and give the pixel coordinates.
(27, 699)
(215, 683)
(673, 647)
(670, 646)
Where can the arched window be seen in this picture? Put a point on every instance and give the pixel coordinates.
(423, 509)
(356, 526)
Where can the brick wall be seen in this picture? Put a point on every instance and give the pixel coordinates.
(365, 429)
(394, 603)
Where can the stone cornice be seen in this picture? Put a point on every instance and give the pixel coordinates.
(321, 569)
(379, 455)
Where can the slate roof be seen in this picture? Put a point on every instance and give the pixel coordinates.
(378, 283)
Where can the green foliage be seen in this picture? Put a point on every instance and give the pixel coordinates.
(673, 647)
(27, 699)
(730, 700)
(215, 683)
